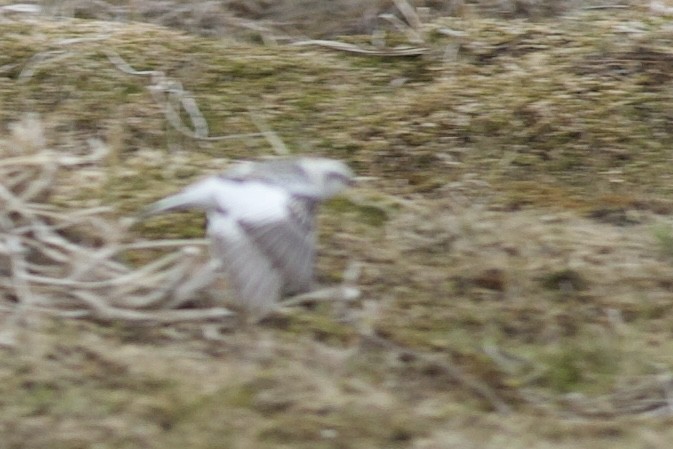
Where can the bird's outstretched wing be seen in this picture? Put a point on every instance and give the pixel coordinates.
(255, 282)
(289, 244)
(265, 259)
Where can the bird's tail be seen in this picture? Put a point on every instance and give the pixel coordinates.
(197, 196)
(172, 203)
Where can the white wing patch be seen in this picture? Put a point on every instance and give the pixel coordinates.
(257, 284)
(289, 248)
(266, 258)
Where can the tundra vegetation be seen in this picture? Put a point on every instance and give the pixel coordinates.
(511, 235)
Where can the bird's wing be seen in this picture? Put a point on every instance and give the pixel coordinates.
(256, 282)
(289, 244)
(286, 174)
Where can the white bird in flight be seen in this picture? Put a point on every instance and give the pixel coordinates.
(261, 218)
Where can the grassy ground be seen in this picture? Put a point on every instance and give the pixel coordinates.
(514, 230)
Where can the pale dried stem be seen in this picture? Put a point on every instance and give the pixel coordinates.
(68, 263)
(171, 96)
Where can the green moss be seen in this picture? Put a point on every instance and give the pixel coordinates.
(582, 364)
(664, 237)
(320, 325)
(369, 214)
(564, 280)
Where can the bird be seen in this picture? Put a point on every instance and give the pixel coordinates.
(261, 224)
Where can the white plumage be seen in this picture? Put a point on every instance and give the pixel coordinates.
(261, 223)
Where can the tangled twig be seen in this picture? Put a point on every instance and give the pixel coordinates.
(70, 263)
(170, 94)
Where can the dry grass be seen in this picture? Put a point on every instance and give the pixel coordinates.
(513, 233)
(69, 263)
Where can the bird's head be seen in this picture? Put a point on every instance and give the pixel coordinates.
(331, 176)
